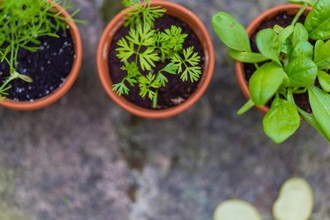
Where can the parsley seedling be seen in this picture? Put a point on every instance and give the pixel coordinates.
(145, 46)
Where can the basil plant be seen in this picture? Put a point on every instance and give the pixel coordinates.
(290, 60)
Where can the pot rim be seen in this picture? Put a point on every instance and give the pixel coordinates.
(103, 71)
(70, 79)
(251, 28)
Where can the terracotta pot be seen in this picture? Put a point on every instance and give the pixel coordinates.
(251, 29)
(103, 70)
(59, 92)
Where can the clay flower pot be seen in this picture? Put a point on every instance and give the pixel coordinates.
(291, 9)
(103, 69)
(70, 79)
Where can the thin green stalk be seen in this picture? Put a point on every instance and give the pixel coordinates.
(300, 12)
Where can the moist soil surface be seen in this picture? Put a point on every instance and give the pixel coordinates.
(48, 67)
(176, 91)
(283, 20)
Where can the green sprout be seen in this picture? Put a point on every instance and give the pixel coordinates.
(22, 23)
(144, 47)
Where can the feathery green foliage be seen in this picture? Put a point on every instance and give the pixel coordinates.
(144, 47)
(21, 24)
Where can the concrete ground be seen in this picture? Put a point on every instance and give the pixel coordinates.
(84, 158)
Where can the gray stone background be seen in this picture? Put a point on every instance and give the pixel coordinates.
(84, 158)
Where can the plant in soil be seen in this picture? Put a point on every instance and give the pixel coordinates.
(23, 24)
(150, 56)
(289, 61)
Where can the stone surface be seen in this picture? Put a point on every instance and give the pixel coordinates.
(84, 158)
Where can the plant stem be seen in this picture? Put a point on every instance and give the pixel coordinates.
(300, 12)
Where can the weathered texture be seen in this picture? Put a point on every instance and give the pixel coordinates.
(85, 158)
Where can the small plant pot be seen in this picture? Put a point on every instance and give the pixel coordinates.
(69, 80)
(290, 9)
(103, 66)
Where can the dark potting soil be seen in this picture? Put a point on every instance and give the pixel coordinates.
(176, 91)
(48, 67)
(283, 20)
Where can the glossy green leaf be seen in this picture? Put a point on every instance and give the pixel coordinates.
(285, 33)
(269, 44)
(324, 79)
(231, 32)
(312, 121)
(247, 106)
(295, 200)
(281, 121)
(302, 72)
(309, 2)
(320, 104)
(322, 54)
(235, 209)
(265, 82)
(317, 21)
(322, 32)
(299, 34)
(286, 47)
(318, 51)
(247, 57)
(303, 49)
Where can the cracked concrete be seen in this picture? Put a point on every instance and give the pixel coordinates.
(84, 158)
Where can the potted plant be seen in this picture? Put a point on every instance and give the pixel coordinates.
(40, 52)
(155, 58)
(283, 67)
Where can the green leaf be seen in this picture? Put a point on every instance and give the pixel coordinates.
(312, 121)
(295, 200)
(120, 88)
(188, 65)
(171, 68)
(247, 106)
(265, 82)
(322, 54)
(302, 72)
(299, 34)
(231, 32)
(148, 84)
(324, 79)
(142, 14)
(247, 57)
(162, 79)
(317, 21)
(322, 32)
(281, 121)
(269, 44)
(148, 58)
(191, 73)
(284, 34)
(320, 104)
(125, 50)
(235, 209)
(302, 49)
(173, 38)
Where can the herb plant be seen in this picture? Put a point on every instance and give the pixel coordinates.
(21, 24)
(146, 46)
(291, 60)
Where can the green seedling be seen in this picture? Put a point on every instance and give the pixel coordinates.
(145, 46)
(288, 62)
(22, 23)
